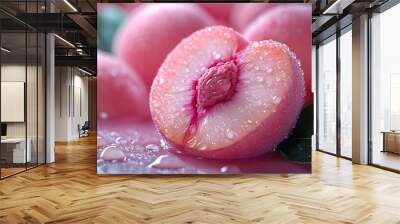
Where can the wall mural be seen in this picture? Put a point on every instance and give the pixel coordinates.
(208, 88)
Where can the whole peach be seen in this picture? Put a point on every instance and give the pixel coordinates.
(242, 14)
(152, 31)
(289, 24)
(121, 92)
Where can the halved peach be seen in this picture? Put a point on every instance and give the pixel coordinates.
(218, 96)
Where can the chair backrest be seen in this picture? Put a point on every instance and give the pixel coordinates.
(86, 125)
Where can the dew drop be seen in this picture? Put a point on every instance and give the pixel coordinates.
(257, 68)
(224, 169)
(103, 115)
(167, 162)
(260, 78)
(276, 99)
(152, 147)
(163, 144)
(227, 35)
(229, 169)
(120, 140)
(229, 133)
(249, 121)
(112, 153)
(203, 147)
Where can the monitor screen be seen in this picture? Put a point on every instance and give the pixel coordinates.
(3, 129)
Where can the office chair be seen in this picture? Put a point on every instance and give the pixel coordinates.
(84, 130)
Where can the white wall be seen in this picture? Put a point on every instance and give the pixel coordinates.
(12, 73)
(70, 83)
(62, 81)
(33, 127)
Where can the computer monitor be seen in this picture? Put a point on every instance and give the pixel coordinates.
(3, 129)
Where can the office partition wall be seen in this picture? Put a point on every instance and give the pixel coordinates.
(22, 76)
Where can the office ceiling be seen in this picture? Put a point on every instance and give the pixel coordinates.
(331, 15)
(76, 23)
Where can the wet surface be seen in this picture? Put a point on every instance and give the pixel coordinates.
(137, 148)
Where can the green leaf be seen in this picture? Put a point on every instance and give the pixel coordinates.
(297, 147)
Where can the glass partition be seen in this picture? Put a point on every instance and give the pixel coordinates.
(41, 107)
(22, 77)
(14, 153)
(32, 95)
(346, 93)
(327, 95)
(385, 89)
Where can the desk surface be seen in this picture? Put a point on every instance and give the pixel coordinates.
(13, 140)
(390, 132)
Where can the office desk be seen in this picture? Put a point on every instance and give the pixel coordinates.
(391, 141)
(17, 151)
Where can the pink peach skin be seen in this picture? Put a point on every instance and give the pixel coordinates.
(128, 6)
(289, 24)
(220, 11)
(243, 14)
(152, 31)
(218, 96)
(121, 92)
(124, 6)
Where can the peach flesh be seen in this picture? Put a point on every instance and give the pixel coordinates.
(251, 117)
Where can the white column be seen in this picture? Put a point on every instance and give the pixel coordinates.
(50, 92)
(50, 99)
(360, 90)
